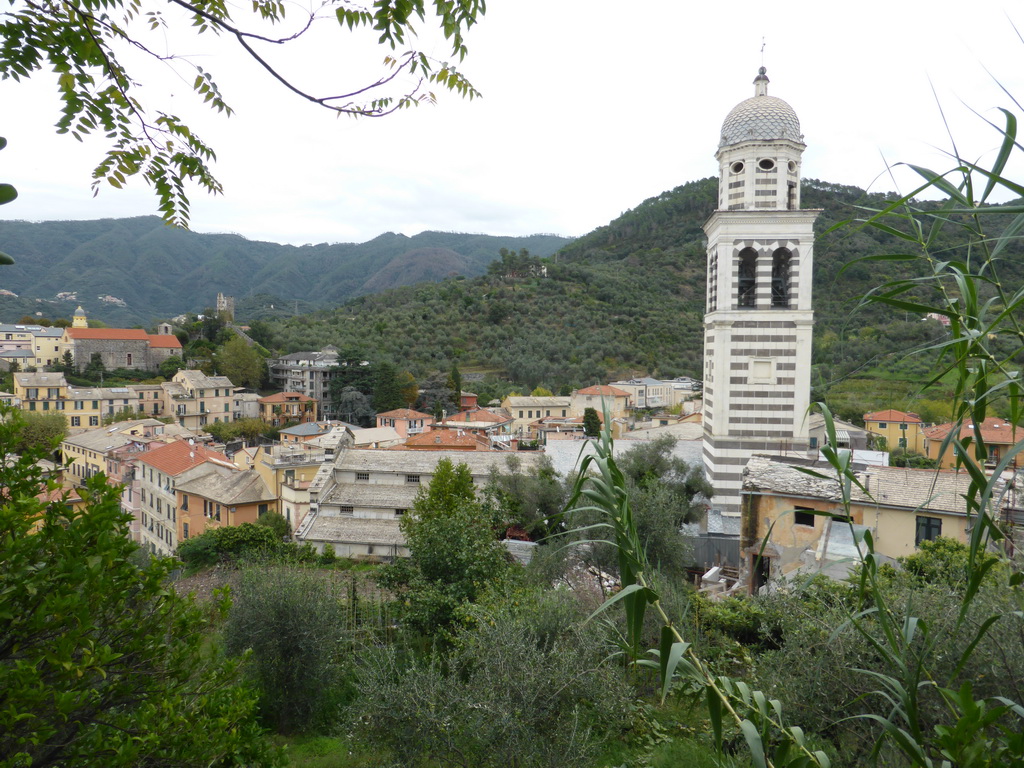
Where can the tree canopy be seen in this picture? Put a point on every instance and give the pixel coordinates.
(100, 663)
(87, 44)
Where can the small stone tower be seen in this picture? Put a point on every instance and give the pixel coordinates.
(78, 319)
(758, 321)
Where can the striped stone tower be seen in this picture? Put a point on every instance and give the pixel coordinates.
(757, 329)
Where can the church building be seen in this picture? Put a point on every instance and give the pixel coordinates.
(758, 321)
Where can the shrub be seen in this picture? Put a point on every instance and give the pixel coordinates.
(525, 686)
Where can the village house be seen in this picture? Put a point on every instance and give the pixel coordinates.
(781, 533)
(405, 421)
(214, 496)
(287, 470)
(998, 434)
(357, 502)
(301, 433)
(900, 429)
(88, 453)
(195, 399)
(526, 410)
(30, 346)
(496, 428)
(287, 408)
(113, 451)
(150, 399)
(159, 471)
(601, 398)
(82, 407)
(647, 392)
(847, 435)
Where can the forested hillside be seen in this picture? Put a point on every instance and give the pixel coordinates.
(629, 298)
(159, 271)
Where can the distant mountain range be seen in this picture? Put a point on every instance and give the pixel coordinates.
(145, 270)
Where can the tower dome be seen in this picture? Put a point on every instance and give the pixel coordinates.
(760, 118)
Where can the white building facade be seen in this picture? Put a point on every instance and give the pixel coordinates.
(757, 329)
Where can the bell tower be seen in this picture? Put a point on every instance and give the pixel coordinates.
(758, 321)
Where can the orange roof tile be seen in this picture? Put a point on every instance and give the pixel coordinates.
(174, 458)
(164, 341)
(404, 413)
(603, 389)
(478, 414)
(287, 397)
(110, 334)
(442, 438)
(891, 415)
(994, 431)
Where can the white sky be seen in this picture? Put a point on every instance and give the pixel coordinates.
(589, 108)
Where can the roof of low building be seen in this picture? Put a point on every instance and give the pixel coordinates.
(287, 397)
(893, 415)
(994, 431)
(376, 496)
(376, 435)
(898, 487)
(112, 436)
(174, 458)
(309, 429)
(603, 389)
(482, 415)
(414, 462)
(231, 487)
(404, 413)
(355, 530)
(440, 439)
(164, 341)
(200, 380)
(40, 379)
(537, 402)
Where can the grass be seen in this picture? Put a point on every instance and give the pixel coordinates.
(331, 752)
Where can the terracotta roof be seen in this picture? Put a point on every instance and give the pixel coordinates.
(119, 334)
(58, 494)
(994, 431)
(891, 415)
(287, 397)
(443, 438)
(404, 413)
(176, 457)
(603, 389)
(164, 341)
(477, 414)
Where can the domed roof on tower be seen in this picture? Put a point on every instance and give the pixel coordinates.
(760, 118)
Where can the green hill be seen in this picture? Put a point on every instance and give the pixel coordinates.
(160, 271)
(628, 298)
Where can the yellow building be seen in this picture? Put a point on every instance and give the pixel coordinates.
(902, 508)
(287, 470)
(195, 399)
(83, 407)
(900, 429)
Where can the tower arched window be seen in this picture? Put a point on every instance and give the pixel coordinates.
(781, 277)
(746, 295)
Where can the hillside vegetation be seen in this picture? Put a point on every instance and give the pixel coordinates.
(629, 298)
(160, 271)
